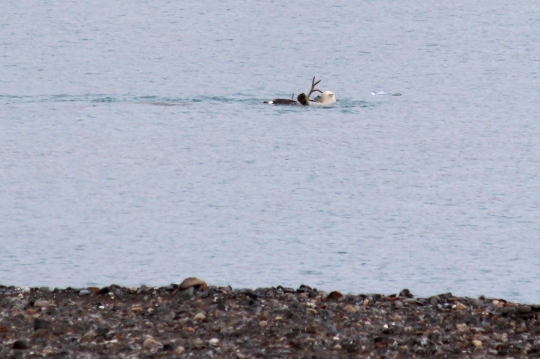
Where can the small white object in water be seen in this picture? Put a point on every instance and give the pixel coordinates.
(382, 93)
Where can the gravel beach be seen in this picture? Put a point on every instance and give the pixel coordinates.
(192, 319)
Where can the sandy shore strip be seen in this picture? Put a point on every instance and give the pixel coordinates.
(194, 320)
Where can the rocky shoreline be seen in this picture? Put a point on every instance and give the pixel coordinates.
(200, 321)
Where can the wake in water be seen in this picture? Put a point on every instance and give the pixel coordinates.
(106, 99)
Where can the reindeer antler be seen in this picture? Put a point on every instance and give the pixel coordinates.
(313, 89)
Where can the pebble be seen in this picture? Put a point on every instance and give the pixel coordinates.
(200, 317)
(41, 333)
(48, 351)
(88, 336)
(477, 343)
(221, 322)
(461, 327)
(95, 290)
(40, 303)
(198, 343)
(214, 342)
(409, 301)
(84, 292)
(151, 343)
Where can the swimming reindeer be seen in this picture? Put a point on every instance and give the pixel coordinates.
(325, 98)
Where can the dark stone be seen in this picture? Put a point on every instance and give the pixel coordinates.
(446, 295)
(285, 289)
(169, 347)
(304, 288)
(102, 331)
(169, 288)
(143, 289)
(351, 346)
(296, 344)
(434, 300)
(405, 293)
(41, 324)
(248, 344)
(535, 349)
(273, 356)
(31, 302)
(508, 311)
(203, 293)
(335, 295)
(524, 309)
(129, 323)
(104, 290)
(294, 333)
(252, 295)
(332, 330)
(21, 344)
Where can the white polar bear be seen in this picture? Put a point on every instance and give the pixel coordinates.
(325, 98)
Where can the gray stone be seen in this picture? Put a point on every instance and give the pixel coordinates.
(187, 293)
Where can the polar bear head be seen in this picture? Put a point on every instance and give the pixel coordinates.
(325, 98)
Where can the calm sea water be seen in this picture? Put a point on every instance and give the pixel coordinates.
(135, 148)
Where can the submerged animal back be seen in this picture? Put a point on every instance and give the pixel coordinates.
(281, 101)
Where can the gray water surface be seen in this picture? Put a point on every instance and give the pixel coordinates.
(135, 147)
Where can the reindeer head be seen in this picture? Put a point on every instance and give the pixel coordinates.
(303, 99)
